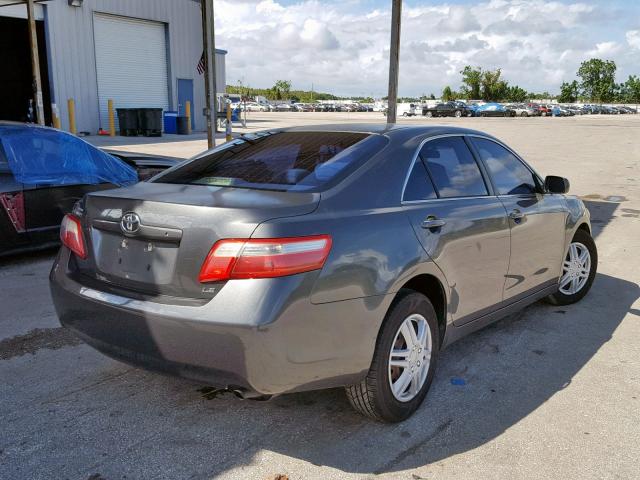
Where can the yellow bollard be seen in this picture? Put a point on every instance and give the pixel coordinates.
(71, 106)
(228, 127)
(55, 116)
(112, 120)
(187, 112)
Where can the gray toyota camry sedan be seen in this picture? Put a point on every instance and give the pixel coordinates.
(316, 257)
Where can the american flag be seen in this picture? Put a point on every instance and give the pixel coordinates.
(202, 64)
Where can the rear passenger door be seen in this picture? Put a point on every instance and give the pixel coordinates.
(536, 219)
(462, 227)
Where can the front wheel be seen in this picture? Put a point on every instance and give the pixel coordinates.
(458, 114)
(404, 361)
(429, 114)
(578, 270)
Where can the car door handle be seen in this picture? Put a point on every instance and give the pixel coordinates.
(433, 222)
(516, 215)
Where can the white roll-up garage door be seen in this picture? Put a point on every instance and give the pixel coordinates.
(131, 64)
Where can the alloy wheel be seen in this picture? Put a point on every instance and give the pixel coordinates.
(575, 269)
(410, 358)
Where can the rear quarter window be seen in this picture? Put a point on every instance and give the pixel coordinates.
(289, 161)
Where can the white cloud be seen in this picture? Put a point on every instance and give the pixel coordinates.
(343, 46)
(633, 38)
(605, 49)
(318, 35)
(458, 20)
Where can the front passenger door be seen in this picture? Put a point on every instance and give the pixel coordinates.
(537, 220)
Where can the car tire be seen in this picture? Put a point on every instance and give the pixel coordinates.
(429, 114)
(524, 114)
(582, 241)
(374, 396)
(458, 114)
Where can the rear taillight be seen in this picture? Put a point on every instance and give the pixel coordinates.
(71, 235)
(264, 258)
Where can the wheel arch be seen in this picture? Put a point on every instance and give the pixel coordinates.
(432, 288)
(584, 226)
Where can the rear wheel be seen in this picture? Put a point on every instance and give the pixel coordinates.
(429, 114)
(404, 361)
(524, 114)
(578, 270)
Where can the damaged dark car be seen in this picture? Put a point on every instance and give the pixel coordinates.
(44, 172)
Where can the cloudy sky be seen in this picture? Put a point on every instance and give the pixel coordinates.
(342, 47)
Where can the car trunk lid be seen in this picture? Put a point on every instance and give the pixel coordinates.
(152, 238)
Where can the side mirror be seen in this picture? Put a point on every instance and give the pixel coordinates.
(553, 184)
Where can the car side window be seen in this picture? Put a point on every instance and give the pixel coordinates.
(453, 169)
(510, 176)
(419, 186)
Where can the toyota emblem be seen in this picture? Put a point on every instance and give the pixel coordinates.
(130, 223)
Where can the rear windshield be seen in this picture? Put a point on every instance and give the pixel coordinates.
(289, 161)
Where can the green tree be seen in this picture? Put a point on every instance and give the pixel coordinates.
(541, 96)
(471, 81)
(493, 87)
(447, 94)
(281, 89)
(597, 77)
(632, 88)
(516, 94)
(569, 92)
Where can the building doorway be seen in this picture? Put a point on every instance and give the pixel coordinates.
(16, 80)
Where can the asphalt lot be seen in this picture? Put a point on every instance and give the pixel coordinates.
(552, 392)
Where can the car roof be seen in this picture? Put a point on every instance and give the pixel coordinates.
(386, 129)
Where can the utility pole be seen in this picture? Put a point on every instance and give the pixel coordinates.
(35, 62)
(394, 61)
(209, 52)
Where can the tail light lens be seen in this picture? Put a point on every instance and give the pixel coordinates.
(71, 235)
(264, 258)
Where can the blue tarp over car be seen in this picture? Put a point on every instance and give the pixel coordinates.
(491, 107)
(45, 156)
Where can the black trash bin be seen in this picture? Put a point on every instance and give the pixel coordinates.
(183, 125)
(150, 121)
(128, 121)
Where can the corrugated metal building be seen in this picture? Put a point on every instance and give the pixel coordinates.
(140, 53)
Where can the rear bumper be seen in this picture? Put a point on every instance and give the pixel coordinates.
(260, 336)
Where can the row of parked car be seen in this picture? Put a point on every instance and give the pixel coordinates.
(462, 109)
(301, 107)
